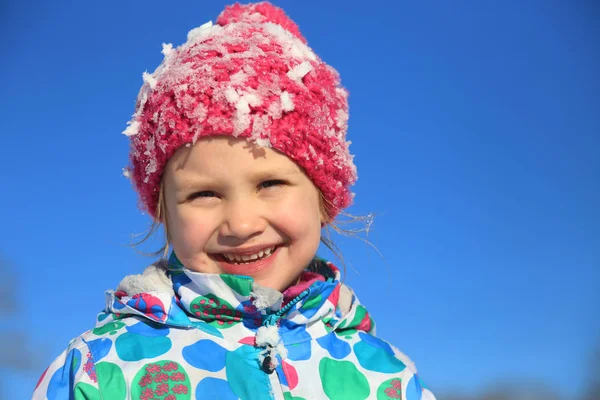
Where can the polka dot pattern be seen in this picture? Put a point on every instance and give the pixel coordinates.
(161, 379)
(215, 387)
(205, 355)
(341, 380)
(205, 347)
(375, 355)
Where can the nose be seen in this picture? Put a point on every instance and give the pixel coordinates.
(242, 219)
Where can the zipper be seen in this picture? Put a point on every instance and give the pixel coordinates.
(275, 317)
(271, 321)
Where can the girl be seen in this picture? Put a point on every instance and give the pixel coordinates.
(238, 149)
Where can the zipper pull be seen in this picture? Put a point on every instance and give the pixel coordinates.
(271, 320)
(267, 365)
(267, 337)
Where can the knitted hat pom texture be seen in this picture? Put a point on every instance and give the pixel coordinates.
(250, 76)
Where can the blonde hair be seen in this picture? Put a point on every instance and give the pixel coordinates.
(364, 225)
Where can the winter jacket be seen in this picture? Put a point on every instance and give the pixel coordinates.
(171, 333)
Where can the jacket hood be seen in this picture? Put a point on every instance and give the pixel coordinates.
(235, 306)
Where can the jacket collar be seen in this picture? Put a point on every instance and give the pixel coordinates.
(170, 294)
(223, 300)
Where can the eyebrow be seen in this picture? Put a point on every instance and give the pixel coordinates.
(269, 174)
(191, 182)
(185, 183)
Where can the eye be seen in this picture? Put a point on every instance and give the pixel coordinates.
(204, 193)
(271, 183)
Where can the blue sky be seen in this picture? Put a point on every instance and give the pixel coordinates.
(476, 132)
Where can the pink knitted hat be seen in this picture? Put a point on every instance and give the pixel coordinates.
(250, 76)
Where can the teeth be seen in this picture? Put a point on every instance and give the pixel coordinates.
(252, 257)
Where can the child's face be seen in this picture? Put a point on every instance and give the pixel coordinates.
(227, 198)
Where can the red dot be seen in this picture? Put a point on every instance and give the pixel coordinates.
(198, 313)
(214, 311)
(196, 306)
(202, 301)
(205, 313)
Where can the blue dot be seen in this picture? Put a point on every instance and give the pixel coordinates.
(315, 291)
(281, 375)
(63, 379)
(297, 341)
(252, 318)
(148, 329)
(180, 280)
(117, 305)
(374, 355)
(150, 305)
(337, 348)
(207, 328)
(102, 316)
(299, 351)
(244, 375)
(413, 389)
(205, 354)
(100, 348)
(134, 347)
(214, 388)
(176, 315)
(376, 342)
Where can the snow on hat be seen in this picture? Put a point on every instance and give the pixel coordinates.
(250, 76)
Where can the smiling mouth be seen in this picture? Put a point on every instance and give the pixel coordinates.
(241, 259)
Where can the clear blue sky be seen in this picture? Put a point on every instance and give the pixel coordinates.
(476, 129)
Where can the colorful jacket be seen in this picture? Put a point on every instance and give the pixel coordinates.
(174, 334)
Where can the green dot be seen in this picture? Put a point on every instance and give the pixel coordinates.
(225, 315)
(111, 327)
(85, 391)
(166, 377)
(240, 285)
(347, 333)
(75, 360)
(111, 381)
(327, 324)
(359, 315)
(342, 380)
(312, 302)
(390, 389)
(288, 396)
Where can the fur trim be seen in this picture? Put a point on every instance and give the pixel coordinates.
(265, 297)
(153, 279)
(345, 300)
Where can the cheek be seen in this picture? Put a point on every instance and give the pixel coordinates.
(299, 217)
(190, 231)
